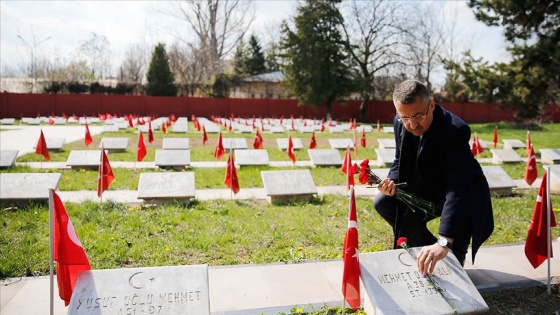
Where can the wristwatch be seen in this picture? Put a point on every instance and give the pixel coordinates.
(443, 241)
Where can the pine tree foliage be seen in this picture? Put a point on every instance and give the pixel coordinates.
(160, 78)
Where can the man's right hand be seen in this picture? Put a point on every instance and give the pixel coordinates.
(387, 187)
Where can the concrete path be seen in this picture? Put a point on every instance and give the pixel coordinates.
(253, 289)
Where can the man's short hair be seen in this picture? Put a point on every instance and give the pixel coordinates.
(407, 91)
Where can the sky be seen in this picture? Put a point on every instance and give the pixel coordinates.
(55, 29)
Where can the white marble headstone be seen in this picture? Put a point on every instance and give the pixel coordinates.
(499, 181)
(175, 144)
(170, 290)
(387, 143)
(27, 186)
(251, 157)
(550, 156)
(234, 143)
(341, 144)
(166, 186)
(114, 144)
(173, 158)
(53, 144)
(501, 156)
(325, 157)
(513, 144)
(88, 159)
(288, 185)
(385, 156)
(8, 158)
(283, 143)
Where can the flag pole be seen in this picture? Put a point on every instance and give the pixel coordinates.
(343, 305)
(100, 177)
(231, 171)
(51, 248)
(548, 237)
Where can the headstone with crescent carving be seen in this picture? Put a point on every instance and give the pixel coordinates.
(394, 285)
(167, 290)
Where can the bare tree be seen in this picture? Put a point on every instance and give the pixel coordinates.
(373, 31)
(186, 62)
(134, 63)
(98, 53)
(218, 25)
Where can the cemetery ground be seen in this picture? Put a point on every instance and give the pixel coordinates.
(231, 232)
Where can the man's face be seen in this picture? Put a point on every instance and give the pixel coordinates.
(418, 116)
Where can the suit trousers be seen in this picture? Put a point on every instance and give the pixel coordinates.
(413, 226)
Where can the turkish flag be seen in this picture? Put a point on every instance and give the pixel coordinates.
(531, 172)
(68, 251)
(105, 176)
(363, 139)
(141, 153)
(163, 128)
(528, 141)
(130, 123)
(348, 168)
(258, 141)
(88, 139)
(231, 175)
(313, 143)
(476, 148)
(51, 121)
(204, 135)
(290, 150)
(495, 139)
(150, 132)
(42, 147)
(350, 257)
(537, 236)
(219, 150)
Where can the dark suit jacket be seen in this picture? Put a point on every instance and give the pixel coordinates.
(450, 175)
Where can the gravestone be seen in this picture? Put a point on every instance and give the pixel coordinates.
(72, 120)
(550, 156)
(7, 121)
(114, 144)
(169, 290)
(387, 143)
(53, 144)
(394, 285)
(34, 121)
(283, 143)
(364, 128)
(276, 129)
(244, 129)
(306, 129)
(122, 124)
(336, 129)
(483, 144)
(158, 187)
(499, 181)
(60, 121)
(291, 185)
(388, 129)
(22, 188)
(501, 156)
(385, 157)
(211, 128)
(110, 128)
(251, 157)
(234, 143)
(175, 144)
(341, 144)
(84, 159)
(144, 128)
(8, 158)
(513, 144)
(381, 172)
(180, 127)
(325, 157)
(554, 178)
(176, 159)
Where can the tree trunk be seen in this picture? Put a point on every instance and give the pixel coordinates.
(363, 107)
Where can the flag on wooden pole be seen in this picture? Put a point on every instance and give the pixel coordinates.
(150, 132)
(290, 150)
(219, 150)
(231, 174)
(88, 139)
(313, 142)
(531, 172)
(204, 136)
(258, 141)
(538, 236)
(495, 138)
(66, 249)
(42, 147)
(350, 257)
(363, 139)
(141, 152)
(105, 176)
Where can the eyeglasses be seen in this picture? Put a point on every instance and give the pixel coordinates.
(416, 118)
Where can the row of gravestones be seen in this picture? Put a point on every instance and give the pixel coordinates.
(280, 186)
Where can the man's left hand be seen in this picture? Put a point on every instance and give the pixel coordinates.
(429, 256)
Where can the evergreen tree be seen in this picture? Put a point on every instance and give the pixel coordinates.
(239, 60)
(316, 63)
(160, 78)
(255, 62)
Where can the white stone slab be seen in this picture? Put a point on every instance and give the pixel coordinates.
(366, 128)
(60, 121)
(34, 121)
(336, 129)
(53, 144)
(234, 143)
(84, 159)
(180, 127)
(122, 125)
(501, 156)
(283, 143)
(110, 128)
(387, 143)
(513, 144)
(211, 128)
(385, 157)
(306, 129)
(7, 121)
(27, 186)
(173, 158)
(499, 181)
(276, 129)
(388, 129)
(288, 185)
(144, 128)
(170, 290)
(554, 178)
(244, 129)
(8, 158)
(114, 144)
(394, 285)
(175, 144)
(178, 186)
(251, 157)
(483, 143)
(325, 157)
(550, 156)
(341, 144)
